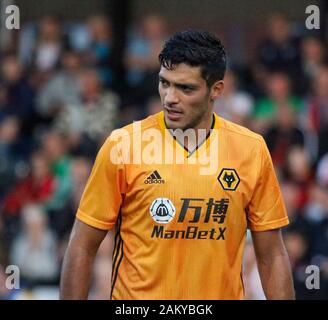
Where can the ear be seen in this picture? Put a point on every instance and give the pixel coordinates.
(216, 90)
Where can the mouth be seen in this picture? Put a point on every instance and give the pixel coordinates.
(173, 114)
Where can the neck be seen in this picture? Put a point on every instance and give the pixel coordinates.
(206, 123)
(198, 133)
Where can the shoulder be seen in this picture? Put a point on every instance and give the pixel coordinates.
(234, 130)
(128, 132)
(136, 127)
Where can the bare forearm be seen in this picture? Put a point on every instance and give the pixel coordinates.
(78, 261)
(276, 278)
(76, 274)
(273, 264)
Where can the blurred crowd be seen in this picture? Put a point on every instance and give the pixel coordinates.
(58, 102)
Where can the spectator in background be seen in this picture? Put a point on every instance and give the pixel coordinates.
(313, 56)
(278, 95)
(64, 218)
(317, 110)
(283, 134)
(35, 249)
(234, 105)
(297, 245)
(317, 214)
(154, 105)
(49, 44)
(55, 147)
(62, 89)
(3, 99)
(141, 58)
(321, 234)
(316, 210)
(132, 112)
(78, 36)
(18, 94)
(10, 153)
(93, 119)
(99, 52)
(293, 197)
(298, 170)
(40, 43)
(280, 51)
(37, 187)
(322, 172)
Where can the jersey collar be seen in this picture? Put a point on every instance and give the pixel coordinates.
(189, 153)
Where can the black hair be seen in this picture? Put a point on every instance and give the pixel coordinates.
(196, 48)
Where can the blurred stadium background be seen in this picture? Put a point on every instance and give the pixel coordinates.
(77, 69)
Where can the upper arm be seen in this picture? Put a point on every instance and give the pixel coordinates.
(268, 244)
(86, 237)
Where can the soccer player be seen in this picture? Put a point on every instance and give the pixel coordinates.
(181, 231)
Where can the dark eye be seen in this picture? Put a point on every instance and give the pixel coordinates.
(186, 89)
(163, 82)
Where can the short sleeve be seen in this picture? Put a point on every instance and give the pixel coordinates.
(266, 210)
(102, 197)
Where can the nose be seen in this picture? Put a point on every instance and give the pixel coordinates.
(171, 96)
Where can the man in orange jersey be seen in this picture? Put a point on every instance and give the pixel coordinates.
(181, 230)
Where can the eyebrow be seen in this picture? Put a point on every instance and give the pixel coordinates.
(180, 85)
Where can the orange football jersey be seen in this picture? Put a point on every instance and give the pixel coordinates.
(181, 224)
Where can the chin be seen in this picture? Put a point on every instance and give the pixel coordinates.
(173, 124)
(170, 125)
